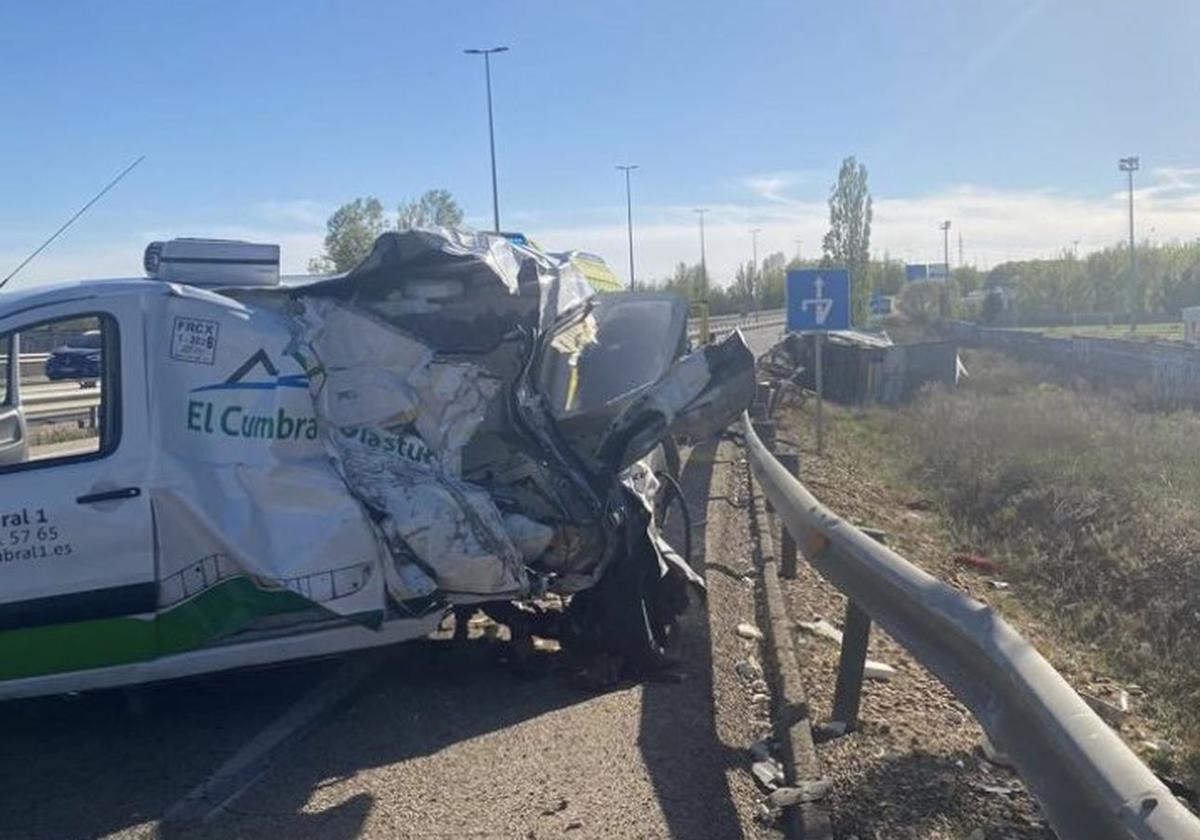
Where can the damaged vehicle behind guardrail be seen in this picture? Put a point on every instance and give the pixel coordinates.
(282, 471)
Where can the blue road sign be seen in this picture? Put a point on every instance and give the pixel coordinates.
(818, 299)
(925, 271)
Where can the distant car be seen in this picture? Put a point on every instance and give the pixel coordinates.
(80, 359)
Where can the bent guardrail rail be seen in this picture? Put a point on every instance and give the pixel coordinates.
(1090, 785)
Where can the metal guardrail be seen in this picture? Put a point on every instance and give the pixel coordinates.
(720, 324)
(1090, 785)
(40, 406)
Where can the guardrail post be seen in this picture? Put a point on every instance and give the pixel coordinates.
(765, 429)
(787, 545)
(847, 696)
(762, 399)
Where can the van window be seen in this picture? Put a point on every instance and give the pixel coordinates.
(69, 387)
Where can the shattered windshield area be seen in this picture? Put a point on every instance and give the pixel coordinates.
(624, 343)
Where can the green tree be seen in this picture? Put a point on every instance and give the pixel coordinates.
(921, 300)
(687, 281)
(888, 276)
(772, 278)
(743, 287)
(993, 307)
(848, 242)
(349, 235)
(435, 208)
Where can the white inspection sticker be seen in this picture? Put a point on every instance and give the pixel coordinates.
(194, 340)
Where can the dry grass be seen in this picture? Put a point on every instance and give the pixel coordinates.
(59, 433)
(1091, 504)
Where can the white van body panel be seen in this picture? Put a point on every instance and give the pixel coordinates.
(234, 544)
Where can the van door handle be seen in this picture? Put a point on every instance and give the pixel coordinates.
(109, 495)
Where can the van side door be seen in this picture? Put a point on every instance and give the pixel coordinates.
(77, 569)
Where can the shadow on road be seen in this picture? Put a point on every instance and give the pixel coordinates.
(110, 761)
(92, 764)
(683, 753)
(116, 761)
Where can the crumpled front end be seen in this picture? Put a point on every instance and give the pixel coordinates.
(485, 410)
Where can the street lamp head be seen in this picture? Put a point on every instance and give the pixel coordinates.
(486, 51)
(627, 167)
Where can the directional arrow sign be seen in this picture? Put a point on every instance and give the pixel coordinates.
(818, 299)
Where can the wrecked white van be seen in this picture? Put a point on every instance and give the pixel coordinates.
(269, 471)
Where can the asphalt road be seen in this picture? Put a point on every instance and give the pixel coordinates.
(443, 740)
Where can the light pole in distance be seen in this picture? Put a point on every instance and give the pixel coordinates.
(945, 226)
(1129, 165)
(627, 168)
(487, 71)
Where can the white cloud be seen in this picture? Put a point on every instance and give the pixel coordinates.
(996, 225)
(772, 185)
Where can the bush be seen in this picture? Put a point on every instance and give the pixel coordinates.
(1093, 503)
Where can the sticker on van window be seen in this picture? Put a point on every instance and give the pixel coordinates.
(194, 340)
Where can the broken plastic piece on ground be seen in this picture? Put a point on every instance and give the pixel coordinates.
(821, 629)
(768, 772)
(975, 561)
(749, 631)
(802, 791)
(880, 671)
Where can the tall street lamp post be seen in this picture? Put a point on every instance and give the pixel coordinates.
(487, 71)
(627, 168)
(946, 257)
(700, 211)
(1129, 165)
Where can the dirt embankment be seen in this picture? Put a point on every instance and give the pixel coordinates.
(1073, 514)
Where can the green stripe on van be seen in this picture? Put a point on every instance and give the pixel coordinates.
(219, 611)
(34, 651)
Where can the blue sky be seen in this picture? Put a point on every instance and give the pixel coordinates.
(258, 118)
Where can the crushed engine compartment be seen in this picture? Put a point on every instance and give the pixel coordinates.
(496, 418)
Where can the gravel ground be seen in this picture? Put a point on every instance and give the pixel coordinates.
(915, 767)
(447, 740)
